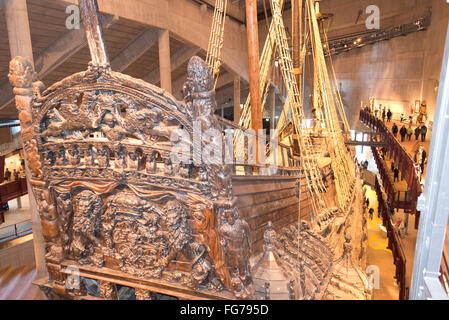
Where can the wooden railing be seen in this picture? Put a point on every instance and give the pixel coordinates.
(397, 199)
(10, 191)
(405, 200)
(394, 242)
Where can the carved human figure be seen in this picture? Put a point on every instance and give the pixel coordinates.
(91, 156)
(168, 167)
(269, 237)
(267, 291)
(64, 204)
(234, 233)
(204, 225)
(121, 162)
(150, 165)
(133, 160)
(291, 289)
(50, 159)
(23, 78)
(75, 157)
(111, 128)
(86, 210)
(62, 158)
(103, 157)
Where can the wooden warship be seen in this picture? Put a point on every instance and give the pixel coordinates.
(119, 211)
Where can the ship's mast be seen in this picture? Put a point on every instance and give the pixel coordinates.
(254, 69)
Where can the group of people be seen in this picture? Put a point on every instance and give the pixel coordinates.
(383, 112)
(419, 131)
(371, 209)
(11, 176)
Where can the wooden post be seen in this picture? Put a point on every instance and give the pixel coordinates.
(16, 14)
(236, 99)
(164, 60)
(254, 68)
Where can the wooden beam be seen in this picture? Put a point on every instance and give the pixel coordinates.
(65, 46)
(177, 60)
(135, 49)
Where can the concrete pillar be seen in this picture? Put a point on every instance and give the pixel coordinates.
(16, 14)
(237, 99)
(19, 203)
(164, 60)
(20, 45)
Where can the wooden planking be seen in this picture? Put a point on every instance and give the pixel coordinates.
(262, 200)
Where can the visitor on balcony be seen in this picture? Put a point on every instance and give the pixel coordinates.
(16, 175)
(384, 115)
(7, 174)
(403, 118)
(417, 133)
(389, 115)
(396, 174)
(423, 132)
(409, 133)
(395, 130)
(403, 133)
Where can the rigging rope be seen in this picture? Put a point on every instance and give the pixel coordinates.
(213, 58)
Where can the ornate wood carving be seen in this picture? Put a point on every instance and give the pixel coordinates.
(99, 147)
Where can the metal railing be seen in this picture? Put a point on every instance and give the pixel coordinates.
(16, 230)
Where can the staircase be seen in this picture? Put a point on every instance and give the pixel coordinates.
(16, 283)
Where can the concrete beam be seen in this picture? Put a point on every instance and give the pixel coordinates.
(135, 49)
(184, 19)
(54, 55)
(233, 10)
(165, 60)
(225, 79)
(177, 60)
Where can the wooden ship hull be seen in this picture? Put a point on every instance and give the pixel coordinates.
(124, 209)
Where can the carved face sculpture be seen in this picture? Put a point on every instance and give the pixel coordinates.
(230, 218)
(199, 73)
(87, 204)
(21, 73)
(109, 120)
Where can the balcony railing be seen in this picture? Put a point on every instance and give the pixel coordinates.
(403, 200)
(394, 242)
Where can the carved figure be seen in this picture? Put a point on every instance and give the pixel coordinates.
(234, 234)
(85, 226)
